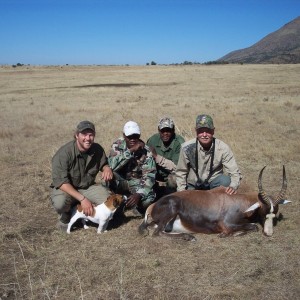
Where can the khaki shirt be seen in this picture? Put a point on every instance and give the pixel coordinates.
(70, 166)
(224, 162)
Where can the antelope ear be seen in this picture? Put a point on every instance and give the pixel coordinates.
(284, 201)
(252, 207)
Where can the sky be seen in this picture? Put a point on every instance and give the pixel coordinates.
(134, 32)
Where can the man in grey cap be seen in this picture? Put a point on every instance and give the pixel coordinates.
(206, 162)
(74, 169)
(165, 147)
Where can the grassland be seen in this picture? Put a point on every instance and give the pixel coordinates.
(256, 109)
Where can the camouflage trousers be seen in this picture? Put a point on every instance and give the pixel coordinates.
(120, 185)
(166, 187)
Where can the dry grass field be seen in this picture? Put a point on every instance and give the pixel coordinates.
(256, 109)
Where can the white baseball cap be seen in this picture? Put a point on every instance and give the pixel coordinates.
(131, 128)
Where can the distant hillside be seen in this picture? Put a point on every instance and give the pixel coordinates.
(280, 47)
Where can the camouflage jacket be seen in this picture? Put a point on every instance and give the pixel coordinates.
(137, 168)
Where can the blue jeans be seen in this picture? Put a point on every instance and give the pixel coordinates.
(221, 180)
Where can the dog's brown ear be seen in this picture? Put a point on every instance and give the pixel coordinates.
(116, 202)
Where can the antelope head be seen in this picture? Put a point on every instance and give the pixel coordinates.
(270, 202)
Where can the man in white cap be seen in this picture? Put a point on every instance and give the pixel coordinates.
(165, 147)
(133, 167)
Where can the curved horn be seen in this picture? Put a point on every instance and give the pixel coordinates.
(265, 198)
(261, 192)
(281, 194)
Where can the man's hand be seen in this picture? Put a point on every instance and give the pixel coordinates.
(153, 151)
(137, 146)
(107, 173)
(86, 204)
(230, 191)
(87, 207)
(133, 200)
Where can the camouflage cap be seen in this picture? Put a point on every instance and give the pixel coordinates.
(204, 121)
(83, 125)
(165, 122)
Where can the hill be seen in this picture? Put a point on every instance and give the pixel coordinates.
(280, 47)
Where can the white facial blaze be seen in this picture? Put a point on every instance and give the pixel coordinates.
(253, 207)
(268, 226)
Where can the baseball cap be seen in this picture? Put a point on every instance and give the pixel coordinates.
(204, 121)
(131, 128)
(83, 125)
(165, 122)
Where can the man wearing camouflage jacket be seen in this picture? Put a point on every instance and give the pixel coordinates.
(133, 168)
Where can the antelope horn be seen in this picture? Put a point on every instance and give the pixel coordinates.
(281, 194)
(261, 192)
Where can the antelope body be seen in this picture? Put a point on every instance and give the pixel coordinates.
(213, 211)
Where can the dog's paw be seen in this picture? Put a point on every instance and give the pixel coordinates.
(86, 227)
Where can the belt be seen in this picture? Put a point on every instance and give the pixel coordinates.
(161, 183)
(134, 175)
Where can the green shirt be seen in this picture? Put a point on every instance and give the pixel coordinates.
(170, 155)
(70, 166)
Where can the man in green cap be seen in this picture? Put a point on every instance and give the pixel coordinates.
(206, 162)
(165, 147)
(74, 170)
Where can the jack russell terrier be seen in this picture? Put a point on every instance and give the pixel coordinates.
(102, 213)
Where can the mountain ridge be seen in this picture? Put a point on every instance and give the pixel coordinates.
(281, 46)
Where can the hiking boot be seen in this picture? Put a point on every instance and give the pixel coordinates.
(137, 213)
(62, 226)
(65, 217)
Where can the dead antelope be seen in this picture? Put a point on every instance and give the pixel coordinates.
(213, 211)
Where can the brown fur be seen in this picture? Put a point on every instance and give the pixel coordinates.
(211, 211)
(112, 202)
(80, 209)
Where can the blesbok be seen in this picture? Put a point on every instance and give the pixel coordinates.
(213, 211)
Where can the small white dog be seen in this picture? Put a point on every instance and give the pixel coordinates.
(102, 213)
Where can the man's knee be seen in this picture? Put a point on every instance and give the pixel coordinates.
(119, 185)
(97, 193)
(221, 180)
(147, 200)
(60, 200)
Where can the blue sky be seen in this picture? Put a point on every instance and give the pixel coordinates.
(134, 32)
